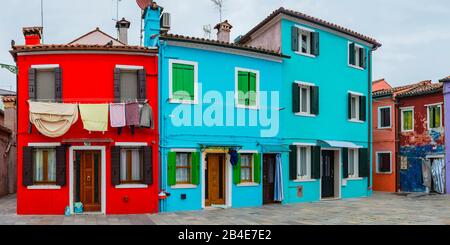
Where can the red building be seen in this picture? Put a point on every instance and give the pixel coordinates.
(109, 172)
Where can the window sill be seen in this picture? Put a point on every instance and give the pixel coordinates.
(381, 128)
(300, 114)
(356, 121)
(304, 180)
(250, 184)
(356, 67)
(132, 186)
(44, 187)
(247, 107)
(305, 54)
(184, 186)
(354, 178)
(185, 102)
(387, 173)
(407, 131)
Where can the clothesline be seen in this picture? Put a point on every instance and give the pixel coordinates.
(91, 101)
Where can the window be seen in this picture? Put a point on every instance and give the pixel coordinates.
(131, 166)
(353, 163)
(305, 99)
(305, 41)
(384, 117)
(128, 85)
(246, 168)
(304, 163)
(357, 56)
(45, 85)
(183, 168)
(247, 88)
(384, 162)
(354, 105)
(407, 119)
(183, 81)
(434, 116)
(44, 166)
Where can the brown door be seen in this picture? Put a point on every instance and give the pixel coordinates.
(215, 180)
(89, 180)
(269, 178)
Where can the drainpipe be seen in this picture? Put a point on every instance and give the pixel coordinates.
(369, 132)
(397, 144)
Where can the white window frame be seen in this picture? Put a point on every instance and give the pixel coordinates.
(357, 112)
(183, 186)
(303, 30)
(43, 146)
(379, 117)
(428, 115)
(377, 162)
(184, 62)
(236, 88)
(356, 66)
(355, 163)
(308, 101)
(403, 109)
(252, 169)
(131, 145)
(308, 163)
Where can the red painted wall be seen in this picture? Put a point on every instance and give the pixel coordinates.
(88, 78)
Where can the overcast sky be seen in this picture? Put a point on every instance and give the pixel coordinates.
(415, 33)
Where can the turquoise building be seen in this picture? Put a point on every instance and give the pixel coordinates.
(282, 115)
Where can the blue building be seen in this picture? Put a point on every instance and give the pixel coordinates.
(280, 116)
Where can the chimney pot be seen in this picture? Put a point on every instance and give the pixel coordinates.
(33, 35)
(122, 29)
(223, 31)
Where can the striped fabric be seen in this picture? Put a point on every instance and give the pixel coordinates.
(279, 195)
(437, 171)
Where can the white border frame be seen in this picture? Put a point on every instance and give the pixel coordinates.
(301, 83)
(228, 177)
(44, 187)
(308, 163)
(236, 90)
(182, 186)
(130, 145)
(348, 55)
(298, 44)
(402, 109)
(45, 67)
(390, 117)
(390, 162)
(359, 95)
(130, 67)
(196, 96)
(428, 115)
(103, 173)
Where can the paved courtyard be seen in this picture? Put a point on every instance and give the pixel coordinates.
(382, 209)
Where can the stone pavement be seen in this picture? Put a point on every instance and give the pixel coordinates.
(381, 208)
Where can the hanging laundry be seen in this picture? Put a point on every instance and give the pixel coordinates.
(117, 115)
(132, 114)
(146, 116)
(53, 119)
(94, 117)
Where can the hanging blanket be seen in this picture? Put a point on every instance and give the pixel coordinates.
(117, 115)
(53, 119)
(132, 114)
(94, 117)
(146, 116)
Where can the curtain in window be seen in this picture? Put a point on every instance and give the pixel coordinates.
(51, 164)
(407, 120)
(351, 162)
(182, 173)
(245, 167)
(304, 99)
(303, 161)
(123, 165)
(279, 195)
(38, 166)
(136, 165)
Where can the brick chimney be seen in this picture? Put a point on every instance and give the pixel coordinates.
(33, 35)
(223, 31)
(122, 29)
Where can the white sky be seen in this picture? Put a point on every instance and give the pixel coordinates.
(415, 33)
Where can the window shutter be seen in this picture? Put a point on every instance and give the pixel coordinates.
(315, 100)
(58, 85)
(349, 106)
(294, 38)
(237, 171)
(351, 54)
(195, 168)
(257, 168)
(243, 82)
(116, 85)
(363, 162)
(148, 165)
(315, 43)
(252, 89)
(295, 98)
(115, 165)
(362, 108)
(315, 161)
(27, 166)
(171, 168)
(142, 84)
(32, 84)
(345, 162)
(363, 56)
(293, 162)
(61, 165)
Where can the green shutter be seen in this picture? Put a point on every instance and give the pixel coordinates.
(242, 87)
(195, 168)
(345, 162)
(349, 106)
(315, 43)
(257, 168)
(363, 162)
(294, 38)
(171, 168)
(363, 58)
(295, 98)
(315, 162)
(362, 108)
(293, 162)
(183, 82)
(237, 171)
(351, 54)
(252, 89)
(315, 100)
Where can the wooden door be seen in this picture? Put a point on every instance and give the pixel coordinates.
(215, 180)
(327, 174)
(89, 182)
(269, 178)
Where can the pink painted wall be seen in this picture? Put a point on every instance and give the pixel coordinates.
(380, 85)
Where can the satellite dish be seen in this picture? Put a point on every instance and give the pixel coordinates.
(143, 4)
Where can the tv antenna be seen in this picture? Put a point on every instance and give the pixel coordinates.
(207, 31)
(219, 5)
(42, 20)
(143, 4)
(117, 10)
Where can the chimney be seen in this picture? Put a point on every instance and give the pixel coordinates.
(152, 24)
(223, 31)
(33, 35)
(122, 29)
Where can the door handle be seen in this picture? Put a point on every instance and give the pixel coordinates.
(88, 178)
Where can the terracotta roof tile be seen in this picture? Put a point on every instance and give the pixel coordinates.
(446, 79)
(399, 90)
(428, 88)
(9, 98)
(312, 19)
(220, 43)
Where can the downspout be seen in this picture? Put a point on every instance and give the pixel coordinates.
(369, 145)
(397, 144)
